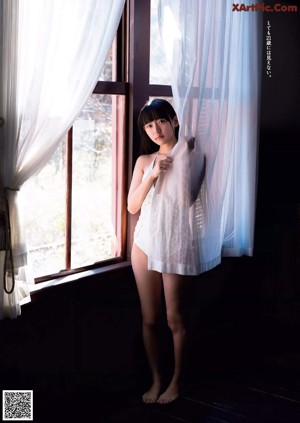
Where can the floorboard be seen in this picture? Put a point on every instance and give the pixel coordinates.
(266, 393)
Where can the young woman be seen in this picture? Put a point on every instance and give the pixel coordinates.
(159, 125)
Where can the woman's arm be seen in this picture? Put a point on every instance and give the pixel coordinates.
(139, 188)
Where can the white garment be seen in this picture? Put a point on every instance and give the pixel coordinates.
(156, 234)
(175, 216)
(142, 229)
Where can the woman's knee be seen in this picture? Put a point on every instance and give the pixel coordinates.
(175, 322)
(150, 320)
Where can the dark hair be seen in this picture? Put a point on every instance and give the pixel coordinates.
(156, 109)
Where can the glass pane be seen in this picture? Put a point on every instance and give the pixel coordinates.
(159, 72)
(43, 206)
(94, 183)
(108, 71)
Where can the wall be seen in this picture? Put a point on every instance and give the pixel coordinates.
(278, 206)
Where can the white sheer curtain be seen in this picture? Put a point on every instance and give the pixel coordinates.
(51, 55)
(214, 61)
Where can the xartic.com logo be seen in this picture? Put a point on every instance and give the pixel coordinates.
(262, 7)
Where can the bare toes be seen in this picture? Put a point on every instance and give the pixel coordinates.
(167, 398)
(151, 396)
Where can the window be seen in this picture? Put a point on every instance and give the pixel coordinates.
(77, 217)
(159, 72)
(148, 69)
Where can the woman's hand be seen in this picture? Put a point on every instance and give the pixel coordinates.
(161, 167)
(190, 143)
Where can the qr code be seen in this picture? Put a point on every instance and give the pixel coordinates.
(17, 405)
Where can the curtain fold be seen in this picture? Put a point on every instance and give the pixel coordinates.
(51, 55)
(214, 60)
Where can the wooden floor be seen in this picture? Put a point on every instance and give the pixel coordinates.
(268, 394)
(86, 363)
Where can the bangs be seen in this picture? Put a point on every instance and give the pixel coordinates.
(157, 109)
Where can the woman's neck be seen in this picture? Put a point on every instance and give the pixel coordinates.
(166, 148)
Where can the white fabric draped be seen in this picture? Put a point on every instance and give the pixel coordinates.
(51, 55)
(214, 61)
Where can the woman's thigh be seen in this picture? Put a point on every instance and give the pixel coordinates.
(149, 285)
(175, 291)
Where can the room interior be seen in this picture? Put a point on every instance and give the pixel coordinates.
(78, 344)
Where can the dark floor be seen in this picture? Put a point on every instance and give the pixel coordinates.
(85, 362)
(229, 379)
(268, 392)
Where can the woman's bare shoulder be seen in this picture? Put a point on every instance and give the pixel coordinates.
(145, 160)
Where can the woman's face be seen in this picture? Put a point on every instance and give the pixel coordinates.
(162, 131)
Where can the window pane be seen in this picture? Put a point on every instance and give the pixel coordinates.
(43, 205)
(159, 72)
(94, 182)
(98, 135)
(108, 72)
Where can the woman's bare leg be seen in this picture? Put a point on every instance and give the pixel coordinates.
(174, 289)
(149, 285)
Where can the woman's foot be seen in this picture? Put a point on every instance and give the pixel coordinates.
(171, 394)
(151, 396)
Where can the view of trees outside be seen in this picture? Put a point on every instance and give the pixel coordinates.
(43, 210)
(107, 71)
(93, 236)
(159, 72)
(43, 197)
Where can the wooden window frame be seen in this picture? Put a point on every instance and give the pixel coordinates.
(132, 81)
(114, 88)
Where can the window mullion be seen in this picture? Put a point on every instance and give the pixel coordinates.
(69, 166)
